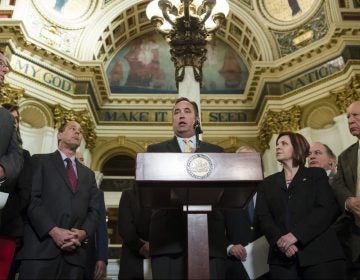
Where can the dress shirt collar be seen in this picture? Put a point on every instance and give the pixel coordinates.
(182, 144)
(63, 156)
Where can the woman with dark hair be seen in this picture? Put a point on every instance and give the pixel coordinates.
(296, 208)
(11, 222)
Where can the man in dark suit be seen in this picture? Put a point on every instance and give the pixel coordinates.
(133, 225)
(322, 156)
(97, 246)
(10, 152)
(347, 190)
(63, 211)
(241, 229)
(168, 227)
(12, 215)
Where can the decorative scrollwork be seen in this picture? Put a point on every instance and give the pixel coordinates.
(10, 94)
(287, 40)
(62, 115)
(347, 94)
(276, 122)
(188, 47)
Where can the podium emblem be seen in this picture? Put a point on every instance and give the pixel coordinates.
(199, 166)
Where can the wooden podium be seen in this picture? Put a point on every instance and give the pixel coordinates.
(197, 183)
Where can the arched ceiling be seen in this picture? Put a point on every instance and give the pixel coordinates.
(274, 44)
(122, 21)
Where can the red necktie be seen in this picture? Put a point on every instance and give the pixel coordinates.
(71, 174)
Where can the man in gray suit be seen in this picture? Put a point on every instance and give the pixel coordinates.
(63, 211)
(10, 152)
(347, 190)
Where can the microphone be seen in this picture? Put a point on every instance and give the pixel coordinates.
(197, 127)
(198, 131)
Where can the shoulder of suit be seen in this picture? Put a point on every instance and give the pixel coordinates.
(212, 146)
(48, 156)
(350, 149)
(273, 176)
(161, 144)
(315, 170)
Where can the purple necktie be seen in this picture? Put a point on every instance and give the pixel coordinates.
(71, 174)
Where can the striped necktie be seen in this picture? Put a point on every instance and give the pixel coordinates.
(187, 147)
(71, 174)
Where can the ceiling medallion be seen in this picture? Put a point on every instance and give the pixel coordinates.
(66, 13)
(285, 12)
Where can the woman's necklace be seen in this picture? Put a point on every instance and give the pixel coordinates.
(289, 178)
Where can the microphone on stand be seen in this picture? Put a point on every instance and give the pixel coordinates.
(198, 131)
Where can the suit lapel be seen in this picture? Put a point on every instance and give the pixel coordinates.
(280, 180)
(353, 158)
(299, 177)
(81, 172)
(173, 146)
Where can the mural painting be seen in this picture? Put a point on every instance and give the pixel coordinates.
(145, 66)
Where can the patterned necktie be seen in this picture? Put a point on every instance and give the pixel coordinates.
(71, 174)
(187, 147)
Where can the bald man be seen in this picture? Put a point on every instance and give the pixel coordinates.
(322, 156)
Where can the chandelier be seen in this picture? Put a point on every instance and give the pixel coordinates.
(187, 26)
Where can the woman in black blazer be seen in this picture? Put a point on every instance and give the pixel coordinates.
(295, 208)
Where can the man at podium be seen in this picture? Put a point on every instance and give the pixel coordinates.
(168, 227)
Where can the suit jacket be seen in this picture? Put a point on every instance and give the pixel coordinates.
(306, 208)
(168, 228)
(10, 152)
(133, 225)
(331, 177)
(97, 246)
(54, 204)
(344, 185)
(14, 212)
(239, 230)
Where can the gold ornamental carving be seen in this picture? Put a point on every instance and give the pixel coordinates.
(62, 115)
(346, 94)
(9, 94)
(276, 122)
